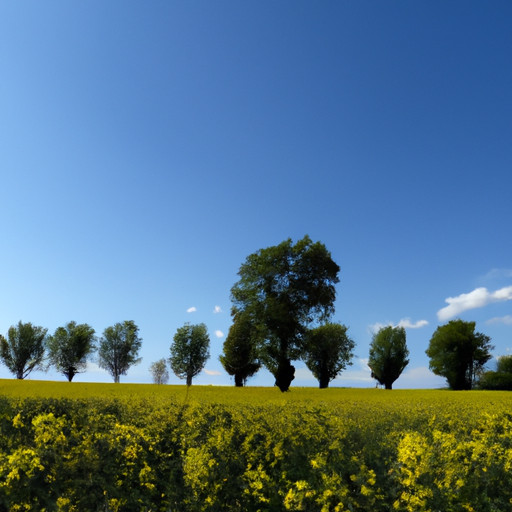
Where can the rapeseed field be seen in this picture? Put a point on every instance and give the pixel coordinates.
(134, 447)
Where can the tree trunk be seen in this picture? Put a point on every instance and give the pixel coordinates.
(323, 381)
(189, 380)
(388, 385)
(284, 375)
(239, 381)
(116, 379)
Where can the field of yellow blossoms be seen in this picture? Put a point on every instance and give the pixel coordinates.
(127, 447)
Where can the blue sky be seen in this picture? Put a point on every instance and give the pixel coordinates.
(146, 148)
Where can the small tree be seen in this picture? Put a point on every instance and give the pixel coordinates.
(70, 347)
(23, 350)
(159, 371)
(327, 351)
(240, 357)
(388, 355)
(190, 351)
(119, 348)
(458, 353)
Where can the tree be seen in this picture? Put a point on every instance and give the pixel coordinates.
(282, 290)
(388, 355)
(119, 348)
(504, 364)
(159, 371)
(23, 350)
(240, 357)
(499, 379)
(189, 351)
(327, 351)
(458, 353)
(70, 347)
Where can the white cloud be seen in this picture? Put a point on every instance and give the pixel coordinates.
(498, 273)
(193, 309)
(217, 309)
(212, 372)
(219, 334)
(507, 320)
(478, 298)
(406, 323)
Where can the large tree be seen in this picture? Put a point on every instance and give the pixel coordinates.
(189, 351)
(119, 348)
(458, 353)
(283, 289)
(327, 351)
(70, 347)
(388, 355)
(23, 350)
(240, 354)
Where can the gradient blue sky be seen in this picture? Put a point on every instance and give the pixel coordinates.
(146, 148)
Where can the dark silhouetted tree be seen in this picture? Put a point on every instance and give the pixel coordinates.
(240, 357)
(189, 351)
(327, 351)
(70, 347)
(458, 353)
(23, 350)
(282, 289)
(388, 355)
(119, 348)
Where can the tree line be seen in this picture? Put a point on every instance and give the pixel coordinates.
(283, 307)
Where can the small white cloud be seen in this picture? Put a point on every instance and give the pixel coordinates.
(212, 372)
(478, 298)
(407, 324)
(219, 334)
(498, 273)
(507, 320)
(193, 309)
(217, 309)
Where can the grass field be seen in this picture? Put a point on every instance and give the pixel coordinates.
(80, 446)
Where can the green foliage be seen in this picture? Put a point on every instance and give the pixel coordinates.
(282, 289)
(23, 350)
(495, 380)
(240, 357)
(69, 348)
(189, 351)
(388, 355)
(458, 353)
(501, 378)
(119, 348)
(504, 364)
(159, 371)
(327, 351)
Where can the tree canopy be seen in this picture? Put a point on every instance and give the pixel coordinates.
(327, 351)
(458, 353)
(119, 348)
(388, 355)
(23, 350)
(283, 289)
(189, 351)
(69, 348)
(240, 352)
(159, 371)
